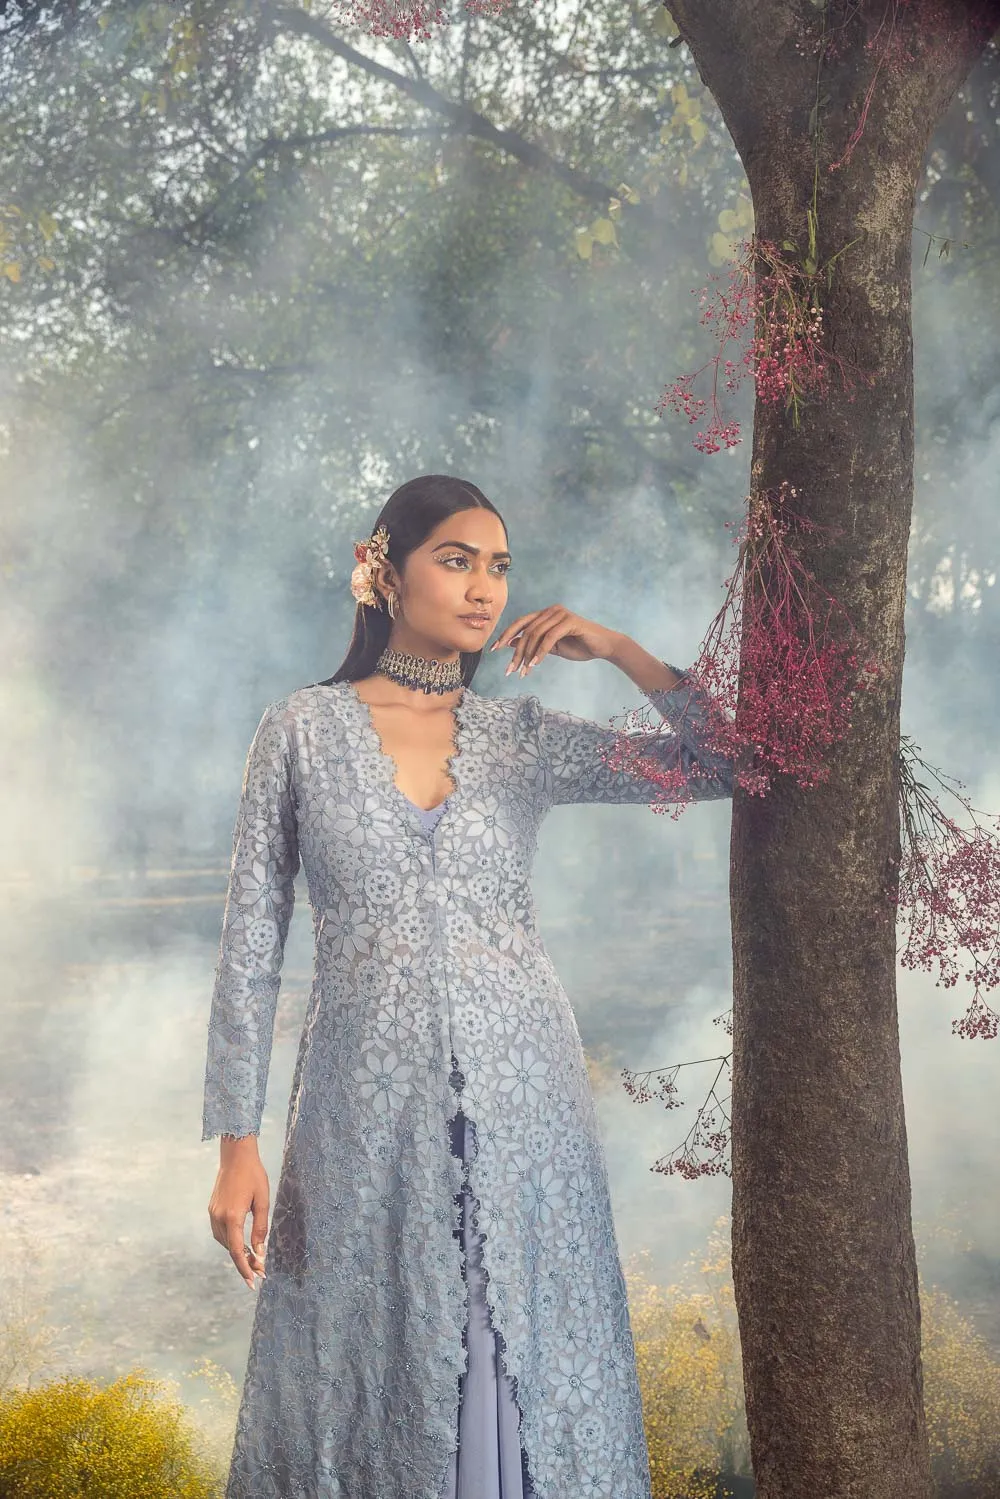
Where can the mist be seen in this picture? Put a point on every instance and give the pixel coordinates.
(202, 406)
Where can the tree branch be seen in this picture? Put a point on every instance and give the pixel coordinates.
(463, 116)
(271, 145)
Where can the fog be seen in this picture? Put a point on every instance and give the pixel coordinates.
(171, 574)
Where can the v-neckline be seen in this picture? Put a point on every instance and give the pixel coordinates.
(389, 767)
(427, 810)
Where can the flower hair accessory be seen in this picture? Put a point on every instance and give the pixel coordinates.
(369, 555)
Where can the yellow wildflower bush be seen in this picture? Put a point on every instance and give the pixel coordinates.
(690, 1373)
(27, 1335)
(691, 1379)
(212, 1397)
(961, 1400)
(73, 1438)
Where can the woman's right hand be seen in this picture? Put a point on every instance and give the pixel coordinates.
(241, 1187)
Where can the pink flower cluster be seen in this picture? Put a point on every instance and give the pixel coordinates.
(785, 356)
(780, 663)
(402, 19)
(407, 19)
(949, 883)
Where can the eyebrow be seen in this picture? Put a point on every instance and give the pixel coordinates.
(466, 548)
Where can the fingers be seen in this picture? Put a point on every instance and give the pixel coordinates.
(246, 1264)
(511, 631)
(259, 1234)
(530, 641)
(543, 643)
(534, 645)
(525, 654)
(248, 1258)
(521, 667)
(256, 1258)
(516, 626)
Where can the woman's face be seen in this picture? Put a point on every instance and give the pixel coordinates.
(460, 569)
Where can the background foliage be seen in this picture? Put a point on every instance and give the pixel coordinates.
(256, 270)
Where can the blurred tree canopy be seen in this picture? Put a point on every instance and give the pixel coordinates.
(256, 266)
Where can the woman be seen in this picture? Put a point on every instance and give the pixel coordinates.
(443, 1314)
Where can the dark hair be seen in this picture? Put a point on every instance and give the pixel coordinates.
(410, 514)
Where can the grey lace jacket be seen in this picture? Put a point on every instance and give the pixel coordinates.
(427, 955)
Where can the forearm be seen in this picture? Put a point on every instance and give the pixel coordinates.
(648, 672)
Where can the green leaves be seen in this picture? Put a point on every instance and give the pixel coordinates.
(602, 230)
(584, 243)
(734, 224)
(663, 24)
(19, 242)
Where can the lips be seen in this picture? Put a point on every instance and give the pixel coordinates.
(475, 619)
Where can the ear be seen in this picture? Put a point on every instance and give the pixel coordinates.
(385, 581)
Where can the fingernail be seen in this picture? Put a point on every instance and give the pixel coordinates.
(522, 671)
(534, 661)
(510, 668)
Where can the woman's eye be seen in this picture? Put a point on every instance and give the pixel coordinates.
(460, 557)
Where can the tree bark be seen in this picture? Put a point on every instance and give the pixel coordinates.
(824, 1263)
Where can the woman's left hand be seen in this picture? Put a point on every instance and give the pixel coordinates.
(557, 630)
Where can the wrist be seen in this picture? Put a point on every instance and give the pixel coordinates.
(235, 1147)
(647, 671)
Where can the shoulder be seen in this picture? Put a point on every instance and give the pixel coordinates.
(294, 714)
(304, 701)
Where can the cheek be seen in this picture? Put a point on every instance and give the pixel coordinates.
(445, 589)
(446, 582)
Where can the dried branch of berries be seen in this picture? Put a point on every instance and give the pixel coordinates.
(706, 1132)
(949, 880)
(801, 670)
(407, 20)
(800, 667)
(786, 355)
(893, 50)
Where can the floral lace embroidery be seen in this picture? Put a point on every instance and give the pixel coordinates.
(425, 946)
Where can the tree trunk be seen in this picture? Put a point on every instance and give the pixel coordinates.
(824, 1264)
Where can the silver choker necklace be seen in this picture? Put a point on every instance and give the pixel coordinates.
(417, 671)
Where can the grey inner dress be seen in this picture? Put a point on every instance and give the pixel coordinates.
(489, 1462)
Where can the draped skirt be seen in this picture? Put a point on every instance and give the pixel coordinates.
(490, 1462)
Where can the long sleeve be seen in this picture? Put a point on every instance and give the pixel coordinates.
(258, 910)
(575, 750)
